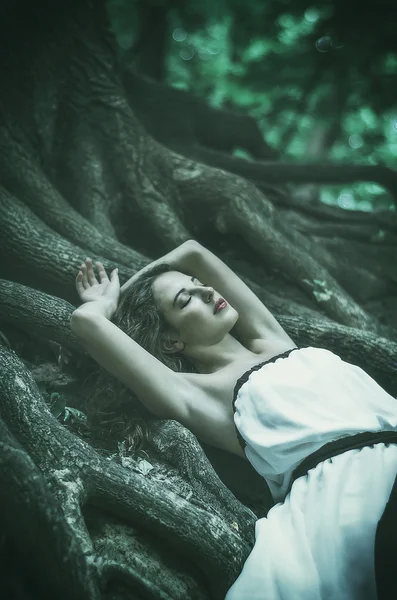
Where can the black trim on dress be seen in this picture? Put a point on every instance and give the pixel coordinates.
(385, 543)
(244, 378)
(340, 446)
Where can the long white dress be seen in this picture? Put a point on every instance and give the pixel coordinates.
(317, 542)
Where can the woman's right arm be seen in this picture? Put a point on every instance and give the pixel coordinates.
(165, 393)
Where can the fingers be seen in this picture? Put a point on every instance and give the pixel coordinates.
(82, 277)
(79, 282)
(101, 271)
(90, 272)
(86, 277)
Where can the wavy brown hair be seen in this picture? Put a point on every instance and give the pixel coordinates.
(114, 411)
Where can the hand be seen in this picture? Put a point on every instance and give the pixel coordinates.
(90, 289)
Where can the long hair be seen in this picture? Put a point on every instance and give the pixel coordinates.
(113, 410)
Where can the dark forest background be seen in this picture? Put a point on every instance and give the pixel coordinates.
(319, 78)
(265, 130)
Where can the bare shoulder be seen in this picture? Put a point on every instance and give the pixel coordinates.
(209, 413)
(270, 345)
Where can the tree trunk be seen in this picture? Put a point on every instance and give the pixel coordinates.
(87, 167)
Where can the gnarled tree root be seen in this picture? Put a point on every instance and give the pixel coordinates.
(74, 475)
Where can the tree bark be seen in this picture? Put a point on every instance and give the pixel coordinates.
(87, 168)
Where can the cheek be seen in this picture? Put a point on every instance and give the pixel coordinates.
(196, 317)
(203, 318)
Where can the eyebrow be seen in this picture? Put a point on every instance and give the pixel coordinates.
(180, 292)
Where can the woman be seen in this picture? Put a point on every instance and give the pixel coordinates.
(289, 403)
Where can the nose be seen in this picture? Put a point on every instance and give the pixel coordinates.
(209, 292)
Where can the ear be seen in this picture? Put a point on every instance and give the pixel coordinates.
(173, 346)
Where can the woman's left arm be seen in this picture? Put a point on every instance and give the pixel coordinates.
(183, 257)
(255, 321)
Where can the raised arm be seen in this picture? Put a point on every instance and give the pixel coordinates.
(164, 392)
(255, 320)
(183, 257)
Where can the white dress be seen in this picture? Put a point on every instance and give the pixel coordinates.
(317, 542)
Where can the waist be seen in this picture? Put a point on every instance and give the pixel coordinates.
(331, 449)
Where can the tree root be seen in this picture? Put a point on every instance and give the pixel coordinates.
(83, 180)
(375, 355)
(202, 479)
(239, 208)
(180, 120)
(81, 476)
(361, 278)
(47, 203)
(50, 544)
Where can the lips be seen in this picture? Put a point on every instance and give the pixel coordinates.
(218, 303)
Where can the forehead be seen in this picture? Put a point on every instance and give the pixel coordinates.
(168, 281)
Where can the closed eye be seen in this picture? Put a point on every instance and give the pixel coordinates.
(186, 303)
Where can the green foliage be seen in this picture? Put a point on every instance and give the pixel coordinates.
(300, 71)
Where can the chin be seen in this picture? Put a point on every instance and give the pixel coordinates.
(232, 321)
(235, 315)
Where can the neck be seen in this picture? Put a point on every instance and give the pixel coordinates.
(209, 359)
